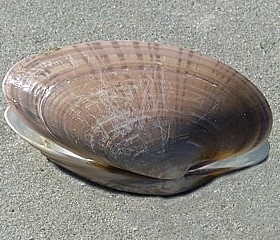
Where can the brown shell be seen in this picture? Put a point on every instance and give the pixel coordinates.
(145, 108)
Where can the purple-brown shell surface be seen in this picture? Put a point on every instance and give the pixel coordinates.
(138, 117)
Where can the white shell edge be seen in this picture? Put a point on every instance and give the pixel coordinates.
(95, 172)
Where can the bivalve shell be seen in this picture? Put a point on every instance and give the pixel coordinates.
(138, 117)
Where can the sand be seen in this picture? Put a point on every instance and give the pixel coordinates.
(39, 201)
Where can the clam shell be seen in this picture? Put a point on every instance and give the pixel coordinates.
(139, 117)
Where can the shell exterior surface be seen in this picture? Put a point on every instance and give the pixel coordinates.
(138, 110)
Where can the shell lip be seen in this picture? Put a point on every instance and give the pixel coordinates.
(118, 178)
(51, 149)
(246, 159)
